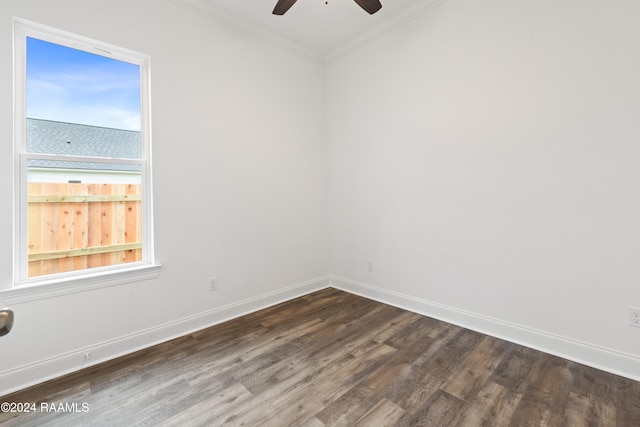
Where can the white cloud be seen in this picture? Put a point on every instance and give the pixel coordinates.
(96, 98)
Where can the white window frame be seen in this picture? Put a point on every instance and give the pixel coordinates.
(24, 287)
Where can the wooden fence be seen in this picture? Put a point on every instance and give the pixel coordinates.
(79, 226)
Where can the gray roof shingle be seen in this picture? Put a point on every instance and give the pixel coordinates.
(47, 136)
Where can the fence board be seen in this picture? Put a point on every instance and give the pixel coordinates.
(65, 231)
(80, 225)
(77, 226)
(35, 227)
(106, 227)
(94, 238)
(83, 198)
(66, 254)
(51, 220)
(133, 227)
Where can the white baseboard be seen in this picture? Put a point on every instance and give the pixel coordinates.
(34, 373)
(598, 357)
(608, 360)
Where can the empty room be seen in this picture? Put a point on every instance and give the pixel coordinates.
(320, 213)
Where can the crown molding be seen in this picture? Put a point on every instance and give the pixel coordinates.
(419, 8)
(228, 19)
(222, 16)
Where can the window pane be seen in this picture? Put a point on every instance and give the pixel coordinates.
(82, 215)
(68, 88)
(86, 159)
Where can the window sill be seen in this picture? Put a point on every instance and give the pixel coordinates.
(71, 285)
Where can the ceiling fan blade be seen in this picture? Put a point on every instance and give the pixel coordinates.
(371, 6)
(282, 6)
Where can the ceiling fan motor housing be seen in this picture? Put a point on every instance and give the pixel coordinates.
(371, 6)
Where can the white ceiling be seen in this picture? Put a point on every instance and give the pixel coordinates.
(323, 30)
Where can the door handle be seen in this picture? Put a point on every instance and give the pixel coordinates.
(6, 321)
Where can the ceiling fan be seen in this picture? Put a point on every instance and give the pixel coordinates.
(371, 6)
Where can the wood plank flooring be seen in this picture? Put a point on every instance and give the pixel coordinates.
(334, 359)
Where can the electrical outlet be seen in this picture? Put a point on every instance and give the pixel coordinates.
(213, 284)
(634, 317)
(370, 265)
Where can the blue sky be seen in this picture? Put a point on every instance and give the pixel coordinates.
(71, 85)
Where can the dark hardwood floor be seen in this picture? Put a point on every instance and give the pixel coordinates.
(332, 358)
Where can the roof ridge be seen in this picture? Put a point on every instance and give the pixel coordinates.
(82, 124)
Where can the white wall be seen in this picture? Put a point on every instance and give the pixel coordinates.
(240, 185)
(486, 158)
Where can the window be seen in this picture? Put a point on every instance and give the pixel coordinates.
(83, 172)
